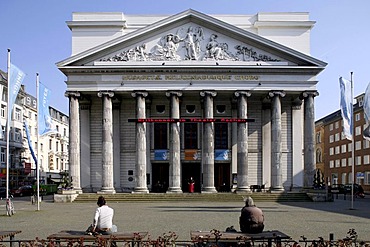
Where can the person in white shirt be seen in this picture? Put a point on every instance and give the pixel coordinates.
(103, 219)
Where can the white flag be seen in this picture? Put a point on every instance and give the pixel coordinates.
(346, 106)
(366, 106)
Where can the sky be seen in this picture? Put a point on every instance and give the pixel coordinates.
(37, 34)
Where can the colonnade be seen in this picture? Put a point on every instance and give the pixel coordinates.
(208, 141)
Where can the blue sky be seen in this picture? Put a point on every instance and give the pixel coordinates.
(36, 33)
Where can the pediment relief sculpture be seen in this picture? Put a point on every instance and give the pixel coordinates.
(191, 44)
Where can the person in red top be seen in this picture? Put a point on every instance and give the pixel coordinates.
(252, 218)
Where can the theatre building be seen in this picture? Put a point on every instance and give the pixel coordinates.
(155, 100)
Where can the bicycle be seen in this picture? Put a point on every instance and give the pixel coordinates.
(9, 207)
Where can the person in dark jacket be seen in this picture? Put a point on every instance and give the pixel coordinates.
(252, 218)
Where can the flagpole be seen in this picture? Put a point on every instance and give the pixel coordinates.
(8, 129)
(37, 148)
(353, 145)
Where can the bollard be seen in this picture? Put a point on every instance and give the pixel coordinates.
(331, 238)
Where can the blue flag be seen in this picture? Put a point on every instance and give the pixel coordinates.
(44, 119)
(16, 77)
(346, 106)
(366, 106)
(29, 142)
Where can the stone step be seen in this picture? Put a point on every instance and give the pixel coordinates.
(226, 197)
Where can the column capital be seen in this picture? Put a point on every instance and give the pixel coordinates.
(242, 93)
(281, 94)
(208, 92)
(110, 94)
(74, 94)
(143, 94)
(177, 93)
(312, 93)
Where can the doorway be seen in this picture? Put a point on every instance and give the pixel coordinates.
(222, 177)
(191, 170)
(160, 177)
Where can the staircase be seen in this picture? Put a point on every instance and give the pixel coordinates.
(202, 197)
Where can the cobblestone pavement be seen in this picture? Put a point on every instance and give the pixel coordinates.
(311, 219)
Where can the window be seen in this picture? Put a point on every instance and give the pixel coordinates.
(358, 145)
(160, 135)
(30, 115)
(65, 132)
(367, 177)
(350, 178)
(344, 178)
(366, 159)
(42, 147)
(50, 144)
(331, 151)
(3, 110)
(17, 114)
(331, 164)
(161, 109)
(2, 155)
(221, 136)
(190, 135)
(358, 160)
(57, 146)
(220, 109)
(334, 178)
(350, 161)
(337, 137)
(337, 163)
(17, 135)
(357, 116)
(331, 127)
(3, 129)
(366, 144)
(349, 147)
(358, 130)
(336, 125)
(344, 148)
(344, 162)
(190, 109)
(331, 138)
(337, 149)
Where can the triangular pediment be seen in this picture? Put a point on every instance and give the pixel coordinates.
(193, 38)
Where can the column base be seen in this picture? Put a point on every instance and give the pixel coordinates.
(174, 190)
(243, 190)
(139, 190)
(209, 190)
(106, 191)
(276, 189)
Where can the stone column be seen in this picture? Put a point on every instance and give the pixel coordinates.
(140, 176)
(309, 138)
(74, 140)
(107, 147)
(276, 170)
(175, 161)
(242, 143)
(208, 151)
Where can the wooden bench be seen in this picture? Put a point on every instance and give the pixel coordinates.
(211, 236)
(10, 234)
(76, 236)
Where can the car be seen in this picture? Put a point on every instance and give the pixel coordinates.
(3, 192)
(338, 189)
(25, 190)
(356, 188)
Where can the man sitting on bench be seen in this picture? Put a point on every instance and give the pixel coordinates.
(252, 218)
(103, 219)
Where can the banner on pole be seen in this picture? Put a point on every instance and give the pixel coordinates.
(346, 106)
(16, 77)
(366, 107)
(44, 119)
(29, 142)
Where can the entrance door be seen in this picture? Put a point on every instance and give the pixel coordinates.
(160, 177)
(222, 177)
(191, 170)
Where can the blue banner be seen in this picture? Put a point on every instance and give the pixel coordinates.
(160, 154)
(29, 142)
(16, 77)
(346, 106)
(44, 119)
(222, 154)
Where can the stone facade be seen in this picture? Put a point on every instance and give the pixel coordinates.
(191, 96)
